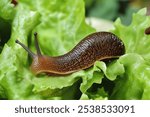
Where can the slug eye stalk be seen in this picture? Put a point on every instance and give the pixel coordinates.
(36, 46)
(26, 48)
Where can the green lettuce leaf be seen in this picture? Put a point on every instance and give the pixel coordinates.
(7, 13)
(134, 83)
(14, 78)
(133, 35)
(7, 10)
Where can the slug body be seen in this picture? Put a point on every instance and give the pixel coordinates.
(147, 31)
(14, 2)
(96, 46)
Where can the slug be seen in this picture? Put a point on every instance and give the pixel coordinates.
(15, 2)
(147, 31)
(96, 46)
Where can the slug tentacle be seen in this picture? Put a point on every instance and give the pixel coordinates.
(26, 48)
(96, 46)
(37, 45)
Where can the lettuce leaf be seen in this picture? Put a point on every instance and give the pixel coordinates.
(7, 13)
(7, 10)
(133, 35)
(14, 78)
(134, 83)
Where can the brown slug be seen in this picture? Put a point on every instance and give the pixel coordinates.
(15, 2)
(96, 46)
(147, 31)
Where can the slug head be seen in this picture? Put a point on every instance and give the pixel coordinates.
(38, 60)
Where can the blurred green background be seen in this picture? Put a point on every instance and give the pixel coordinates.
(112, 9)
